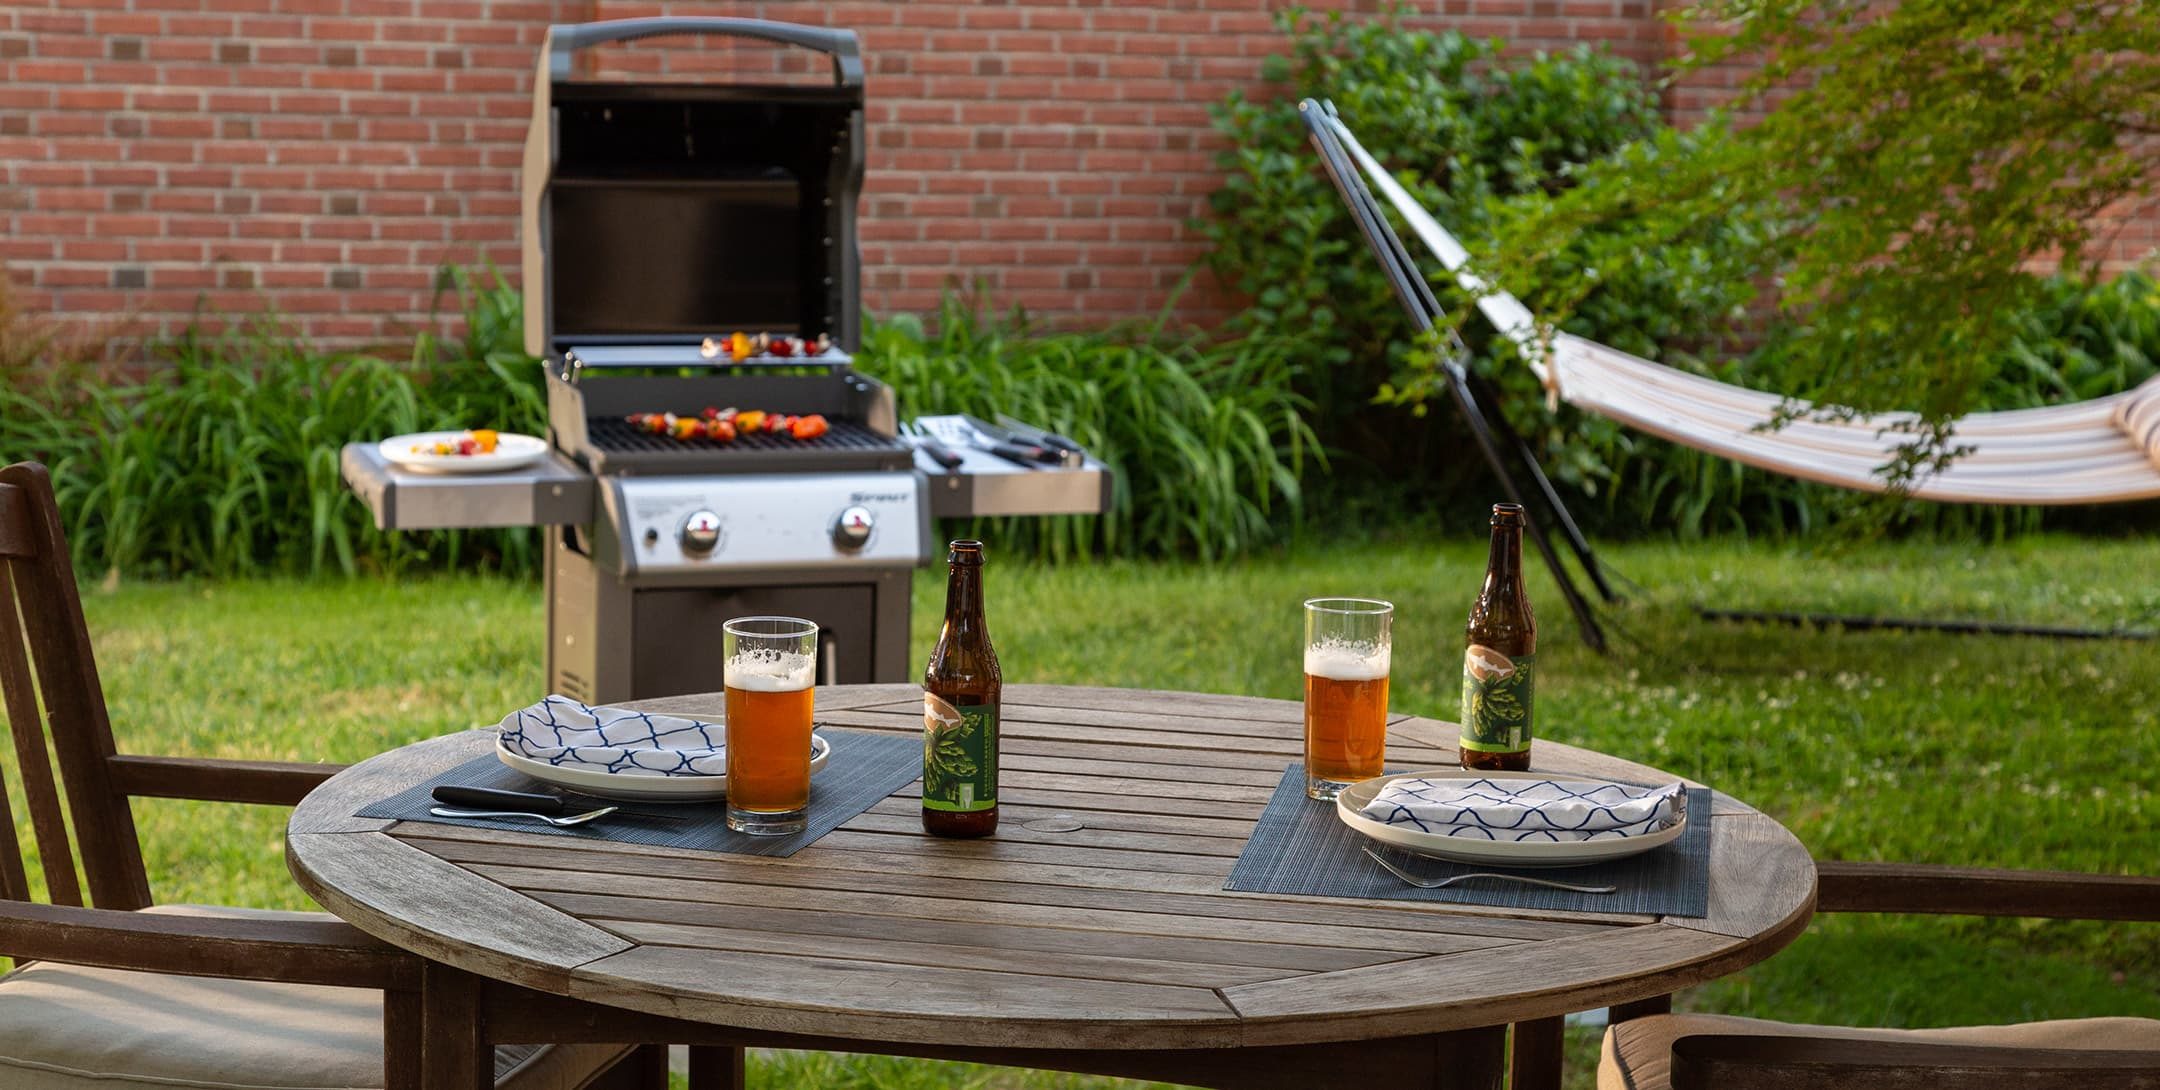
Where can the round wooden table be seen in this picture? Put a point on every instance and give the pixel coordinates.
(1112, 948)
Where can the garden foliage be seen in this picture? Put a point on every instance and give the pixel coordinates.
(1498, 147)
(221, 456)
(1471, 132)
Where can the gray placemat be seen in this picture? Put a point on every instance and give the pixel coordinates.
(1300, 846)
(864, 768)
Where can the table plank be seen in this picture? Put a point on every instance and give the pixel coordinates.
(428, 905)
(1506, 984)
(1779, 876)
(881, 947)
(1248, 914)
(844, 998)
(661, 899)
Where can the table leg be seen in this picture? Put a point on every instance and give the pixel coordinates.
(1470, 1059)
(1534, 1056)
(716, 1067)
(454, 1052)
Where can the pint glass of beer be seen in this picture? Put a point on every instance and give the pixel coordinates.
(770, 666)
(1347, 644)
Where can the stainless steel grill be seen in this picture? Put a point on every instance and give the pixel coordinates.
(641, 201)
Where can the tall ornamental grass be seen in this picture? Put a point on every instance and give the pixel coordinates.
(1209, 441)
(221, 456)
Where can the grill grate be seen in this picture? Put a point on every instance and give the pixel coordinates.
(614, 435)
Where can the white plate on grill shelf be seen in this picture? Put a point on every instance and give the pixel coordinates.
(1498, 853)
(655, 788)
(512, 451)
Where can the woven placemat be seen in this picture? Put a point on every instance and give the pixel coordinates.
(1300, 846)
(864, 768)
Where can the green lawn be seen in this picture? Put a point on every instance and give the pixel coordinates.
(1926, 748)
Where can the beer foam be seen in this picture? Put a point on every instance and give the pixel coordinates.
(1347, 661)
(768, 671)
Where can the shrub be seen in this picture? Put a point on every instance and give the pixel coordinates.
(223, 459)
(1467, 131)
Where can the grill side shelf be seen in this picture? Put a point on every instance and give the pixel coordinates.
(551, 493)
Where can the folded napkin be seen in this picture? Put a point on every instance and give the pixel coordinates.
(1550, 810)
(562, 731)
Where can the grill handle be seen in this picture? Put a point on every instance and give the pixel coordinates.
(840, 45)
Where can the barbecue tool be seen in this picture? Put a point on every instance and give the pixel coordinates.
(928, 444)
(1000, 437)
(1070, 455)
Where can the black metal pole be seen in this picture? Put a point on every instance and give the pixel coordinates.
(1921, 624)
(1576, 541)
(1417, 299)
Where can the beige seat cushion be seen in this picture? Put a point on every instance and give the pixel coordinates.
(1638, 1053)
(2139, 417)
(65, 1027)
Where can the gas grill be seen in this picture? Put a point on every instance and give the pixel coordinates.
(659, 220)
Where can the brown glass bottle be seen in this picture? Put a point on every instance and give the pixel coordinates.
(961, 688)
(1499, 667)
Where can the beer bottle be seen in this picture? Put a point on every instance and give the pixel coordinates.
(960, 709)
(1499, 668)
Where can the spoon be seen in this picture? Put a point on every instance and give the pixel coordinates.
(1442, 883)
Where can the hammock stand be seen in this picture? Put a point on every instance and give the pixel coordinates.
(2037, 432)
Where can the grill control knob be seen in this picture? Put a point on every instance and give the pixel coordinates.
(851, 530)
(700, 532)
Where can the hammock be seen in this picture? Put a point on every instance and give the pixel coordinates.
(2100, 451)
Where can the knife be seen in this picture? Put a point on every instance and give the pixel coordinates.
(530, 802)
(1076, 454)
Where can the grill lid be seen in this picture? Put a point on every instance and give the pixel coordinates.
(662, 213)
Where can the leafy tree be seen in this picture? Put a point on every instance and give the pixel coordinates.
(1917, 156)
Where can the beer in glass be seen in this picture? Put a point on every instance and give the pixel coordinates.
(770, 667)
(1347, 646)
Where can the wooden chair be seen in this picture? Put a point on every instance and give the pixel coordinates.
(1717, 1052)
(110, 991)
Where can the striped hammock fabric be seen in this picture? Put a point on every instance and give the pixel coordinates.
(2101, 451)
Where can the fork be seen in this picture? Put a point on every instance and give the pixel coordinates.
(559, 822)
(1442, 883)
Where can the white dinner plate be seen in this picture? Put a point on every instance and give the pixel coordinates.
(512, 451)
(609, 785)
(1499, 853)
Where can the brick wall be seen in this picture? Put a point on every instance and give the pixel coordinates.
(322, 157)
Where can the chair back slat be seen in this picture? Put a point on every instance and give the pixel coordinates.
(16, 538)
(75, 719)
(32, 760)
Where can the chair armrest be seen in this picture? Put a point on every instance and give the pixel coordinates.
(1720, 1062)
(1973, 891)
(293, 951)
(276, 783)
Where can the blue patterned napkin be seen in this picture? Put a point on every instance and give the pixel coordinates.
(1520, 810)
(562, 731)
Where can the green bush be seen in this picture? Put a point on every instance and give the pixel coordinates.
(222, 457)
(1208, 440)
(1468, 131)
(1490, 143)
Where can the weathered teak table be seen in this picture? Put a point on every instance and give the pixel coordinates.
(1110, 949)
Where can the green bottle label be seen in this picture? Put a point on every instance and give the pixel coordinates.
(960, 755)
(1496, 700)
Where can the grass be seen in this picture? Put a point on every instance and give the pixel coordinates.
(1895, 746)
